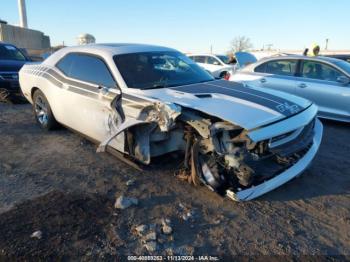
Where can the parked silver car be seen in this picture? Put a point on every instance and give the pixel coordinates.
(322, 80)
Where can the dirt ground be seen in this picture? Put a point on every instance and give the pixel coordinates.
(56, 183)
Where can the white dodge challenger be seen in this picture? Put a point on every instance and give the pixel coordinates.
(142, 101)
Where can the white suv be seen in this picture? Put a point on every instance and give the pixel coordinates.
(217, 65)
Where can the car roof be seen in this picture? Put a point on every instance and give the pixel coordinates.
(118, 48)
(201, 54)
(298, 57)
(107, 51)
(339, 55)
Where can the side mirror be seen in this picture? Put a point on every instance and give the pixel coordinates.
(343, 80)
(118, 90)
(216, 63)
(113, 90)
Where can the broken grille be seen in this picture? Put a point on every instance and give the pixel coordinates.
(300, 139)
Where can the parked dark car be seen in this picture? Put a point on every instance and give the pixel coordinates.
(11, 61)
(342, 57)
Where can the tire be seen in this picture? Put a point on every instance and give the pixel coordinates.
(42, 111)
(222, 74)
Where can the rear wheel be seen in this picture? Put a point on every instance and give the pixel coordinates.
(223, 74)
(42, 111)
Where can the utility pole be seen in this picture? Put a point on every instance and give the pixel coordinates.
(327, 40)
(22, 13)
(211, 49)
(269, 47)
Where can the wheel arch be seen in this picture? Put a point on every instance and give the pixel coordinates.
(32, 91)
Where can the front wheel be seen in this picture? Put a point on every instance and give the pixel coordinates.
(42, 111)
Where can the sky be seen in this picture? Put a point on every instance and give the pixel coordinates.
(190, 25)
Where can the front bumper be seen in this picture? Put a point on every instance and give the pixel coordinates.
(284, 177)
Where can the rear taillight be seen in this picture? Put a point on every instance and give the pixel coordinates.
(227, 76)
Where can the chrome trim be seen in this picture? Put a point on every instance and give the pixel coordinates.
(284, 126)
(284, 177)
(286, 139)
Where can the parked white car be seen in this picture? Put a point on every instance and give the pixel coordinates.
(141, 101)
(218, 65)
(323, 80)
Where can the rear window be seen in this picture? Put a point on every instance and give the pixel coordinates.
(65, 64)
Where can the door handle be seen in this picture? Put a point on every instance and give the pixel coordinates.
(263, 80)
(302, 85)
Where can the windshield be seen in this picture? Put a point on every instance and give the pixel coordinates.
(224, 59)
(344, 65)
(9, 52)
(159, 69)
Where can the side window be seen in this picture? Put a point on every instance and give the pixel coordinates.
(316, 70)
(261, 68)
(200, 59)
(86, 68)
(193, 58)
(65, 64)
(281, 67)
(212, 61)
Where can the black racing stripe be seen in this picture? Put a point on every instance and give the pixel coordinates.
(52, 80)
(239, 87)
(88, 87)
(71, 82)
(82, 92)
(238, 91)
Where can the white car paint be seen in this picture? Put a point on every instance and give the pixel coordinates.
(217, 68)
(88, 108)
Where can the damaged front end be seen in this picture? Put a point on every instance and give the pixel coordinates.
(234, 162)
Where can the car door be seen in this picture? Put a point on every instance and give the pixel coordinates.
(318, 83)
(277, 74)
(88, 91)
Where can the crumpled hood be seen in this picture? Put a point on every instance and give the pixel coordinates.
(247, 107)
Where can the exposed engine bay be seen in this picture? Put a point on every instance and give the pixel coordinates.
(216, 153)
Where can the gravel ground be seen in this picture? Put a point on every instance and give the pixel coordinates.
(55, 183)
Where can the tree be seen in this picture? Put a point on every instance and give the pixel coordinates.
(240, 43)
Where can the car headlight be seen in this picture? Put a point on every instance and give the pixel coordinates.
(161, 113)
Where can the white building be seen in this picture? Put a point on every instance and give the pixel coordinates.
(84, 39)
